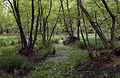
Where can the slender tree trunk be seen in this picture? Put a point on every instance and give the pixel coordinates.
(40, 19)
(47, 31)
(96, 27)
(67, 30)
(70, 21)
(81, 30)
(95, 34)
(54, 27)
(31, 30)
(44, 32)
(28, 23)
(78, 23)
(88, 46)
(44, 24)
(15, 9)
(113, 24)
(37, 24)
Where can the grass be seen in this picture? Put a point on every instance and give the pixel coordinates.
(59, 69)
(52, 69)
(100, 46)
(11, 62)
(6, 51)
(8, 41)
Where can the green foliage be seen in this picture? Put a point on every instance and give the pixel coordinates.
(15, 62)
(7, 41)
(6, 51)
(80, 44)
(10, 63)
(55, 41)
(6, 76)
(59, 69)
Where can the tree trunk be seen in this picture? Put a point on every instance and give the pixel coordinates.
(15, 9)
(88, 46)
(36, 30)
(113, 24)
(67, 30)
(54, 27)
(44, 32)
(78, 23)
(47, 31)
(70, 21)
(95, 34)
(30, 49)
(102, 37)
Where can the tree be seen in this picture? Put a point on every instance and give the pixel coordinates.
(95, 26)
(27, 47)
(113, 24)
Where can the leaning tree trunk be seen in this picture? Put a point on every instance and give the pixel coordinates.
(96, 27)
(88, 46)
(113, 24)
(15, 9)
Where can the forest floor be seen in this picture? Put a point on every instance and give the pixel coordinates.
(60, 65)
(63, 64)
